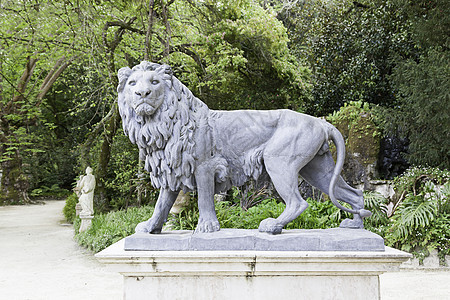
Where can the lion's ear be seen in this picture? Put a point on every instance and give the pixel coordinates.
(123, 75)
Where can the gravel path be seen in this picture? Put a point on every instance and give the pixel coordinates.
(40, 260)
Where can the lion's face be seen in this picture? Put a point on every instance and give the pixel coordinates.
(144, 91)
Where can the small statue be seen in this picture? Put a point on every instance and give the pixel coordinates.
(77, 188)
(87, 186)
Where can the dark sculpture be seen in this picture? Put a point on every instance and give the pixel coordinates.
(186, 146)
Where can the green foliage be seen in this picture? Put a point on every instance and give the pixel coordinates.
(69, 209)
(421, 79)
(422, 220)
(109, 228)
(393, 53)
(252, 193)
(349, 116)
(412, 180)
(38, 41)
(242, 56)
(318, 215)
(347, 48)
(187, 219)
(376, 203)
(53, 191)
(127, 183)
(425, 114)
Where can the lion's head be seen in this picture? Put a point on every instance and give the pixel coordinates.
(160, 115)
(143, 87)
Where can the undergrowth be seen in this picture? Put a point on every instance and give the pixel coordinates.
(109, 228)
(230, 215)
(69, 209)
(418, 222)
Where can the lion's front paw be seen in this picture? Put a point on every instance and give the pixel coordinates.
(147, 227)
(356, 223)
(270, 225)
(208, 226)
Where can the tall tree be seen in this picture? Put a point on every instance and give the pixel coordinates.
(34, 53)
(232, 55)
(348, 46)
(423, 82)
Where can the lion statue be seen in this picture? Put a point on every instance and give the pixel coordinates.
(187, 146)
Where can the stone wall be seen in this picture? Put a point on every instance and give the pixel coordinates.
(430, 262)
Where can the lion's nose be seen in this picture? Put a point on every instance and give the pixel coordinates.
(143, 93)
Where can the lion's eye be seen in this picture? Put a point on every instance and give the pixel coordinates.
(132, 83)
(155, 82)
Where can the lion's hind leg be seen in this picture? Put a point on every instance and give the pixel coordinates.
(284, 174)
(318, 173)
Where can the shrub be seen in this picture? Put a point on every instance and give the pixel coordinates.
(109, 228)
(53, 191)
(230, 215)
(69, 209)
(421, 220)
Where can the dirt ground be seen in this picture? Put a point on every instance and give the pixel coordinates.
(40, 260)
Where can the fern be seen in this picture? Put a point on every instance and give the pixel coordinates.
(376, 203)
(414, 212)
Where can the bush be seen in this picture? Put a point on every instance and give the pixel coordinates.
(424, 114)
(53, 191)
(109, 228)
(421, 220)
(69, 209)
(230, 215)
(347, 48)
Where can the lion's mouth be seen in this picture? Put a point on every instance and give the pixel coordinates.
(144, 108)
(141, 103)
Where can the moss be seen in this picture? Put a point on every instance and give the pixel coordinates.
(14, 184)
(364, 138)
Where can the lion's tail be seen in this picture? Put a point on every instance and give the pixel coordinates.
(339, 142)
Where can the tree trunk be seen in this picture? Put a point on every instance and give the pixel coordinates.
(104, 157)
(14, 183)
(109, 125)
(149, 33)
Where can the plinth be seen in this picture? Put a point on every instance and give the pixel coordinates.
(341, 264)
(86, 222)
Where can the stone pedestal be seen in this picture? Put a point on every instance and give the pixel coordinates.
(86, 222)
(248, 274)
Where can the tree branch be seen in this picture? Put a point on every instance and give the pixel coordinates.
(52, 76)
(167, 31)
(149, 33)
(183, 48)
(22, 85)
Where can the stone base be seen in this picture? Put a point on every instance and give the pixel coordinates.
(333, 239)
(251, 274)
(86, 222)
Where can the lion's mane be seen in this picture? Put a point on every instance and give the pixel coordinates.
(165, 138)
